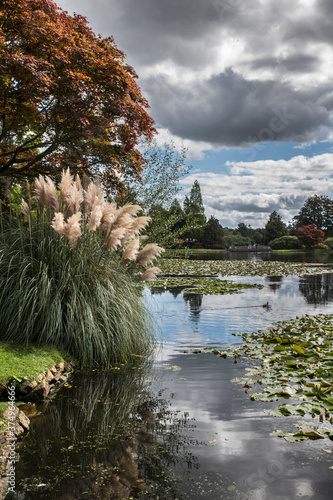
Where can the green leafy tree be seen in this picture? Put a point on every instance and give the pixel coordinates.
(186, 206)
(195, 214)
(317, 210)
(167, 227)
(159, 180)
(233, 238)
(275, 228)
(196, 207)
(213, 234)
(285, 243)
(255, 235)
(177, 212)
(158, 186)
(243, 230)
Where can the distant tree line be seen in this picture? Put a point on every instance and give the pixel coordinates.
(186, 225)
(312, 227)
(183, 223)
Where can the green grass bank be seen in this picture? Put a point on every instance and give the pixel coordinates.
(24, 362)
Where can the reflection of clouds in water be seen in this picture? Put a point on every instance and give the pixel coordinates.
(262, 466)
(196, 321)
(304, 489)
(236, 431)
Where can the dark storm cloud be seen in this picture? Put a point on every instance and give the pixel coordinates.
(298, 64)
(175, 46)
(276, 202)
(315, 27)
(187, 32)
(228, 109)
(240, 206)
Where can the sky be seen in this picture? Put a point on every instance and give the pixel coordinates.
(245, 85)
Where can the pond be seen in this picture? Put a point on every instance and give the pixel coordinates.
(319, 256)
(178, 427)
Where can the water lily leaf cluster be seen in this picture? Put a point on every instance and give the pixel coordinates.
(307, 430)
(296, 361)
(184, 267)
(203, 286)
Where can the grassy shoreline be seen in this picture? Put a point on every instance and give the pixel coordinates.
(24, 362)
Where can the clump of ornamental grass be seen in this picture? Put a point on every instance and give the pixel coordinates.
(69, 271)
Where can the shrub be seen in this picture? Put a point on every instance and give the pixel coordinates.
(285, 243)
(329, 243)
(322, 246)
(69, 273)
(236, 240)
(310, 235)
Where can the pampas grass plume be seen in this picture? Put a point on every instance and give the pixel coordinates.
(58, 223)
(114, 240)
(90, 196)
(148, 254)
(131, 251)
(41, 192)
(150, 274)
(24, 209)
(74, 229)
(109, 211)
(78, 183)
(124, 215)
(65, 184)
(95, 218)
(124, 220)
(129, 209)
(51, 195)
(74, 199)
(138, 225)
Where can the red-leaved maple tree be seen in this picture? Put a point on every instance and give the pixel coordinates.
(67, 97)
(310, 235)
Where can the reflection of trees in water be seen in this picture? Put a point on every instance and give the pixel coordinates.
(194, 300)
(164, 462)
(274, 282)
(175, 291)
(88, 439)
(84, 441)
(317, 288)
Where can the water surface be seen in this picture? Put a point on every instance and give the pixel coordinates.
(179, 428)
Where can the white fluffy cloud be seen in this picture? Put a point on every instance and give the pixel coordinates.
(195, 149)
(250, 191)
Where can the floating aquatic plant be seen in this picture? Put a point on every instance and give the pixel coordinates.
(237, 268)
(296, 362)
(204, 286)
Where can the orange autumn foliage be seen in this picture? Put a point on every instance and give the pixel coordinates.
(67, 97)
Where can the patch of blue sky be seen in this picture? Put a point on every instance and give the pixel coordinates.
(215, 161)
